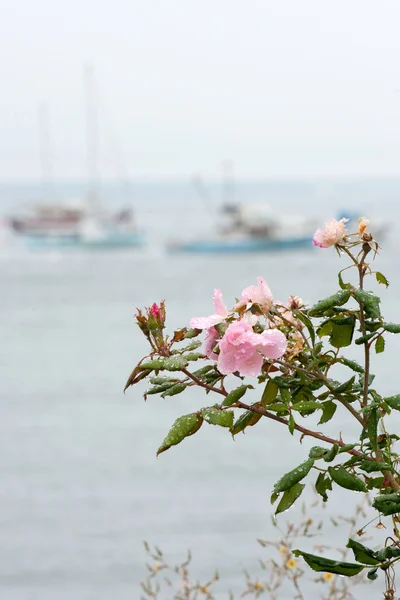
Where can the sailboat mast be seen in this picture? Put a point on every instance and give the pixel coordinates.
(92, 138)
(46, 165)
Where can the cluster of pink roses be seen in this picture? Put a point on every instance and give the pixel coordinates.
(240, 348)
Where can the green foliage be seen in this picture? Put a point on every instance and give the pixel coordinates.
(293, 477)
(235, 395)
(183, 427)
(216, 416)
(289, 497)
(342, 477)
(319, 563)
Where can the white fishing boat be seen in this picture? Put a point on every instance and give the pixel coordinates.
(251, 228)
(81, 223)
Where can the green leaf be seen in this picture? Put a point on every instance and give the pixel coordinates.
(331, 454)
(291, 423)
(370, 303)
(344, 387)
(372, 427)
(285, 395)
(200, 373)
(247, 419)
(174, 390)
(317, 452)
(347, 447)
(388, 553)
(342, 331)
(235, 395)
(278, 407)
(380, 345)
(381, 279)
(393, 402)
(175, 363)
(157, 389)
(372, 574)
(370, 466)
(362, 554)
(322, 306)
(392, 327)
(346, 479)
(343, 285)
(388, 504)
(160, 380)
(191, 333)
(306, 321)
(289, 497)
(319, 563)
(216, 416)
(352, 364)
(306, 406)
(364, 338)
(192, 346)
(328, 410)
(323, 484)
(293, 477)
(325, 329)
(192, 356)
(153, 365)
(183, 427)
(270, 393)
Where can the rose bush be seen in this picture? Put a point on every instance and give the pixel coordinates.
(290, 351)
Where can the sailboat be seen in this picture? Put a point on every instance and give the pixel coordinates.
(81, 223)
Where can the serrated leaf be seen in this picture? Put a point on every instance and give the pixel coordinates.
(289, 497)
(346, 480)
(323, 484)
(293, 477)
(270, 393)
(173, 390)
(342, 332)
(392, 327)
(191, 333)
(362, 554)
(328, 410)
(235, 395)
(319, 563)
(370, 303)
(247, 419)
(372, 428)
(380, 345)
(352, 364)
(216, 416)
(381, 279)
(337, 299)
(393, 401)
(175, 363)
(291, 424)
(183, 427)
(306, 321)
(344, 387)
(306, 406)
(343, 285)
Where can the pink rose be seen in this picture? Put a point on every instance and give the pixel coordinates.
(257, 294)
(220, 314)
(333, 233)
(242, 350)
(211, 339)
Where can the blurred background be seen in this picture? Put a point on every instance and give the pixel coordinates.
(156, 150)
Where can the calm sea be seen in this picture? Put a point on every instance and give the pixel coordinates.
(81, 484)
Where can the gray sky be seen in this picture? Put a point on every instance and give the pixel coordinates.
(282, 87)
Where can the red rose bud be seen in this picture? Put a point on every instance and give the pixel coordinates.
(156, 316)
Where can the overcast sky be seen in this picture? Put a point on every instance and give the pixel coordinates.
(282, 87)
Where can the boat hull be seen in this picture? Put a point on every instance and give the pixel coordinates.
(106, 242)
(239, 246)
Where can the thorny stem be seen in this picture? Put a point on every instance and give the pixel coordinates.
(207, 386)
(315, 434)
